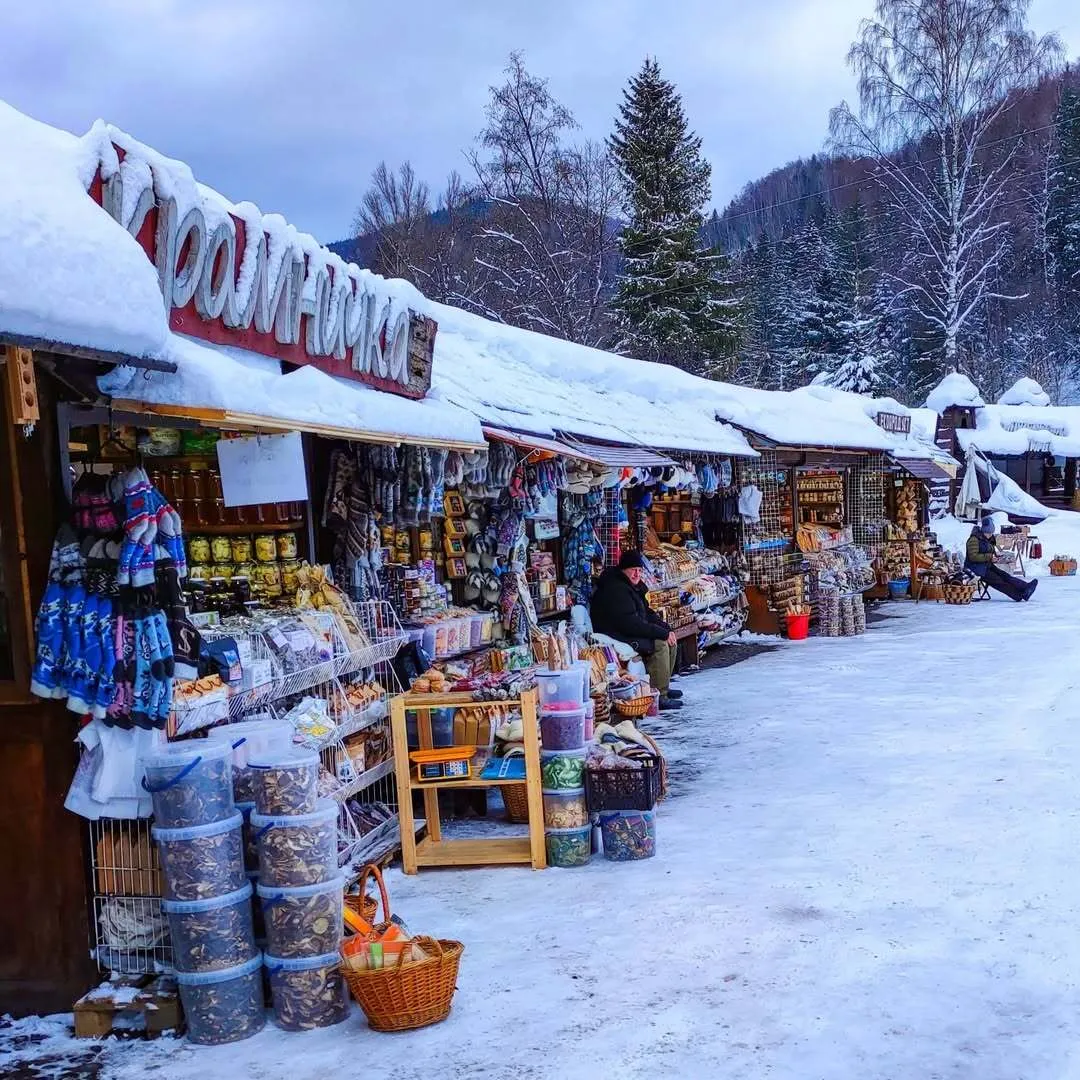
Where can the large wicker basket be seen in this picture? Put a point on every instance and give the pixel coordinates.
(515, 798)
(413, 995)
(956, 593)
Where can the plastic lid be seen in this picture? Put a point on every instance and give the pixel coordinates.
(245, 808)
(188, 907)
(301, 963)
(191, 832)
(565, 832)
(284, 759)
(610, 815)
(208, 978)
(576, 792)
(547, 755)
(271, 892)
(563, 673)
(578, 712)
(183, 753)
(328, 810)
(231, 732)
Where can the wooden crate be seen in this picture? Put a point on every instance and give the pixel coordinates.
(146, 1006)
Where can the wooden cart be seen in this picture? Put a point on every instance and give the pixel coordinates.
(433, 850)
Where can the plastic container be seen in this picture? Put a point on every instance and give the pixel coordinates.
(190, 782)
(251, 849)
(590, 719)
(560, 690)
(568, 847)
(585, 667)
(203, 860)
(286, 782)
(308, 992)
(223, 1006)
(562, 770)
(251, 739)
(297, 849)
(565, 809)
(629, 835)
(442, 729)
(303, 922)
(213, 934)
(798, 627)
(563, 730)
(898, 589)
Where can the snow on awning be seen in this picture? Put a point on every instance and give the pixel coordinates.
(925, 468)
(618, 457)
(232, 387)
(537, 442)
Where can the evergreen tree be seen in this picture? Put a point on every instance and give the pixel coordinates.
(863, 367)
(1063, 220)
(672, 301)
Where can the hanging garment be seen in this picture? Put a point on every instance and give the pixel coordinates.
(750, 503)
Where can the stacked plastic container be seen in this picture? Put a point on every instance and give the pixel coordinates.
(207, 895)
(563, 699)
(300, 890)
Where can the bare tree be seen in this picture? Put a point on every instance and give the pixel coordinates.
(941, 76)
(546, 238)
(395, 210)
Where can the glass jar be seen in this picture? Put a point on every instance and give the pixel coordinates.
(265, 548)
(286, 545)
(241, 549)
(270, 579)
(222, 571)
(199, 551)
(289, 579)
(220, 549)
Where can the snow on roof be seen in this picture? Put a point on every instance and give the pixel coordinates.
(1025, 392)
(219, 377)
(1012, 430)
(954, 389)
(518, 379)
(68, 272)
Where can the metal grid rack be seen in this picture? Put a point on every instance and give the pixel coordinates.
(866, 498)
(610, 533)
(767, 544)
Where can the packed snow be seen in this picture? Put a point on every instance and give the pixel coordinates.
(1025, 392)
(954, 389)
(1022, 429)
(864, 871)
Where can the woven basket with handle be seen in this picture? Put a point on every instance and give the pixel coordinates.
(516, 800)
(633, 708)
(357, 899)
(413, 994)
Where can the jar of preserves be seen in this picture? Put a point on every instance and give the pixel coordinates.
(286, 545)
(222, 571)
(249, 570)
(270, 579)
(289, 580)
(199, 551)
(220, 549)
(241, 549)
(265, 548)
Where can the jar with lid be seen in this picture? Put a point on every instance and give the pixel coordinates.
(270, 579)
(199, 551)
(290, 582)
(220, 549)
(241, 549)
(265, 548)
(286, 545)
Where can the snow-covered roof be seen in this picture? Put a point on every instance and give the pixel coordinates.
(1025, 392)
(954, 389)
(217, 377)
(1012, 430)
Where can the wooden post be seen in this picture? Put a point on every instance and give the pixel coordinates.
(21, 386)
(533, 781)
(406, 822)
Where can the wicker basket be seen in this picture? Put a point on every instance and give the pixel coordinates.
(516, 800)
(1063, 567)
(633, 708)
(367, 907)
(959, 593)
(413, 995)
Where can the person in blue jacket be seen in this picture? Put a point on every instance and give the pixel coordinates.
(981, 551)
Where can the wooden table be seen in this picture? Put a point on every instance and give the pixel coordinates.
(433, 850)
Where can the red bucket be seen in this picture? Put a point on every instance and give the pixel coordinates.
(798, 627)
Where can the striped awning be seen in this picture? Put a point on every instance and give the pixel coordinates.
(538, 442)
(616, 456)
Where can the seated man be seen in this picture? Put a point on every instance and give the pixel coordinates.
(620, 610)
(981, 551)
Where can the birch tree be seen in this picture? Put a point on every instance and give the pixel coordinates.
(941, 76)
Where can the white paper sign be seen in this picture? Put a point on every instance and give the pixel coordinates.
(263, 469)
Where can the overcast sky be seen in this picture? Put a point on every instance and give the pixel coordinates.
(291, 105)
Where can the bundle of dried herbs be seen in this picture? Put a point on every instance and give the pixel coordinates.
(308, 993)
(209, 935)
(191, 783)
(223, 1006)
(299, 849)
(303, 922)
(288, 783)
(201, 861)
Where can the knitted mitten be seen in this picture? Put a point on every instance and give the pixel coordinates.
(140, 529)
(49, 631)
(107, 645)
(82, 685)
(169, 531)
(163, 669)
(144, 689)
(119, 711)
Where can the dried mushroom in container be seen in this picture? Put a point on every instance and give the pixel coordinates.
(299, 849)
(209, 935)
(191, 783)
(308, 992)
(286, 782)
(201, 861)
(251, 848)
(306, 921)
(223, 1006)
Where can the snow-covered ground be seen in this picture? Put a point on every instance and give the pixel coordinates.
(867, 871)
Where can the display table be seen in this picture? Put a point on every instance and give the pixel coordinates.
(433, 850)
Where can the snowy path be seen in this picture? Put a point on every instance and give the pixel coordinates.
(868, 872)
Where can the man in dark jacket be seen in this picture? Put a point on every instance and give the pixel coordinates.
(979, 558)
(620, 610)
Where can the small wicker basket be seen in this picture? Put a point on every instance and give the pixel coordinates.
(1062, 567)
(634, 708)
(516, 800)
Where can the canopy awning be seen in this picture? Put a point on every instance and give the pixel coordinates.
(538, 442)
(928, 469)
(227, 387)
(616, 456)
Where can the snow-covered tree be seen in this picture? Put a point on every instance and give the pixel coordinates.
(673, 302)
(864, 367)
(938, 77)
(1063, 218)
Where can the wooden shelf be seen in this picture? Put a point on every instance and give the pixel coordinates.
(241, 530)
(496, 851)
(472, 782)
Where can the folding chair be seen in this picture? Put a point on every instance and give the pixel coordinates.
(982, 590)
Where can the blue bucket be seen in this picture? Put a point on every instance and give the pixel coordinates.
(898, 590)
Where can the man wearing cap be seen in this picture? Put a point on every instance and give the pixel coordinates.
(981, 552)
(620, 610)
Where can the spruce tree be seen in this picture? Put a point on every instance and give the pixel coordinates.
(864, 364)
(1063, 224)
(672, 300)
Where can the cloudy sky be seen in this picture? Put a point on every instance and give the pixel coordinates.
(291, 105)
